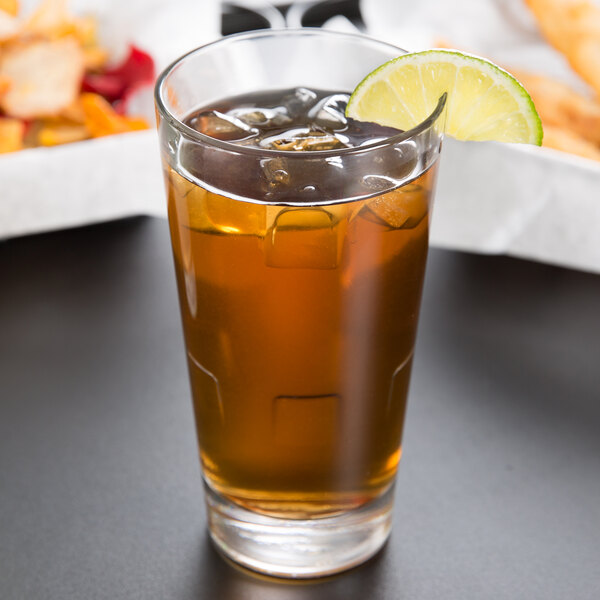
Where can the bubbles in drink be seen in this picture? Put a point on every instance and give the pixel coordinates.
(275, 171)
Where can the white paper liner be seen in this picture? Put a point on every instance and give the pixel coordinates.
(519, 200)
(75, 184)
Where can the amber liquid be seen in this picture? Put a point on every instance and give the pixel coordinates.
(300, 326)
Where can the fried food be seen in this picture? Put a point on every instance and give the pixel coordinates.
(101, 118)
(50, 19)
(12, 133)
(44, 76)
(94, 58)
(49, 62)
(4, 85)
(9, 26)
(560, 106)
(55, 134)
(573, 28)
(566, 141)
(10, 7)
(571, 121)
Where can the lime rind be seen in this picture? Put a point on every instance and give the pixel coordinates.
(485, 102)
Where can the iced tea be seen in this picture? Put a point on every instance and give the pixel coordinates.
(299, 312)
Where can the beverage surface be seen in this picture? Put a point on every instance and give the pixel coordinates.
(296, 123)
(298, 119)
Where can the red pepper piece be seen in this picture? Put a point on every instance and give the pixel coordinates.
(107, 86)
(119, 82)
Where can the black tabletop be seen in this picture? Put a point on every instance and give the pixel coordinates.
(498, 494)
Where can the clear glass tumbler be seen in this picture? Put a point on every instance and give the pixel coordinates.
(299, 277)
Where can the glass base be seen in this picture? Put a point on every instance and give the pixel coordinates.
(299, 548)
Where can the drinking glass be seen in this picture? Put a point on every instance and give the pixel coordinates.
(299, 278)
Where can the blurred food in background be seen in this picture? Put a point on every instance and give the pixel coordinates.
(573, 28)
(571, 120)
(56, 85)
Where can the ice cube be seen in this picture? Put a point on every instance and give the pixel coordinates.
(403, 208)
(200, 210)
(329, 112)
(304, 238)
(299, 101)
(263, 118)
(303, 139)
(234, 217)
(222, 126)
(390, 166)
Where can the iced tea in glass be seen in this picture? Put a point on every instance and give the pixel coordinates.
(300, 241)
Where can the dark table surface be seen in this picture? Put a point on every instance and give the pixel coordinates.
(498, 495)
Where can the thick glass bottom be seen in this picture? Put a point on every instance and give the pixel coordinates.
(299, 548)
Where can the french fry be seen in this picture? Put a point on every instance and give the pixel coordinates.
(85, 31)
(50, 17)
(44, 77)
(12, 132)
(53, 135)
(4, 85)
(101, 118)
(74, 113)
(94, 58)
(10, 7)
(559, 106)
(573, 28)
(567, 141)
(9, 26)
(136, 123)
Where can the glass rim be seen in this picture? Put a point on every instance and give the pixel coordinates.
(189, 132)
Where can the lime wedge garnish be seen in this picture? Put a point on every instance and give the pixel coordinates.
(484, 101)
